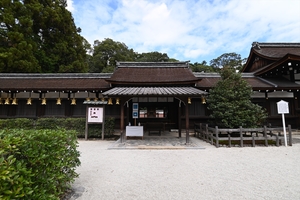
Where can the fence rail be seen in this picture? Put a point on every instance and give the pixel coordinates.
(265, 134)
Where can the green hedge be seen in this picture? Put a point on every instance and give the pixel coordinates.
(37, 164)
(76, 124)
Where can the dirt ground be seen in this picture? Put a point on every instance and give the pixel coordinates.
(204, 173)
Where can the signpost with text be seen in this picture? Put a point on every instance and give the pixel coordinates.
(283, 108)
(94, 115)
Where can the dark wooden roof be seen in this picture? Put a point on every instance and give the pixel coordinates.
(209, 80)
(280, 65)
(154, 91)
(152, 73)
(270, 54)
(275, 50)
(52, 82)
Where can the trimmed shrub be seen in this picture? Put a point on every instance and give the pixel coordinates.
(37, 164)
(22, 123)
(76, 124)
(14, 175)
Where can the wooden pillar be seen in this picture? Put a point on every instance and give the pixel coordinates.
(122, 122)
(103, 123)
(187, 124)
(179, 119)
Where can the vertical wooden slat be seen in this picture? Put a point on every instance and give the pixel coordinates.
(122, 121)
(103, 123)
(241, 137)
(86, 123)
(187, 124)
(265, 135)
(290, 135)
(217, 136)
(179, 119)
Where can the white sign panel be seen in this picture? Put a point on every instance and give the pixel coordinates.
(95, 114)
(283, 107)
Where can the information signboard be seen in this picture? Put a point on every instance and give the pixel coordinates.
(283, 107)
(95, 114)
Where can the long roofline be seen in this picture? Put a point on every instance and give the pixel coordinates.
(152, 64)
(267, 44)
(55, 75)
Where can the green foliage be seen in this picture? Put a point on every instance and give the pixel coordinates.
(152, 57)
(74, 124)
(16, 178)
(202, 67)
(40, 36)
(232, 60)
(107, 52)
(37, 164)
(230, 104)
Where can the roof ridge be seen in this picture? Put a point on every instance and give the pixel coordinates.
(55, 75)
(275, 44)
(153, 64)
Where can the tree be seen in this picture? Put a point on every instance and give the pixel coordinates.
(107, 52)
(17, 46)
(227, 60)
(230, 104)
(202, 67)
(40, 36)
(152, 57)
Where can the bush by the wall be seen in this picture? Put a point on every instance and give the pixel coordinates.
(37, 164)
(76, 124)
(22, 123)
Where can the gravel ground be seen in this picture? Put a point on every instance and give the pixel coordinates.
(210, 173)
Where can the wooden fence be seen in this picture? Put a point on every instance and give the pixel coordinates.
(251, 136)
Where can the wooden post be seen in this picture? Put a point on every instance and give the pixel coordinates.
(187, 123)
(122, 122)
(229, 140)
(179, 120)
(217, 137)
(103, 123)
(290, 135)
(86, 124)
(253, 141)
(206, 132)
(265, 135)
(241, 137)
(277, 140)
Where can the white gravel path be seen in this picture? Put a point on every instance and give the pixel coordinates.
(210, 173)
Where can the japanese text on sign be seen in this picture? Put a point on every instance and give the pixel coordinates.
(95, 114)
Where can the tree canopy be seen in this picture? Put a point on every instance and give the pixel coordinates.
(107, 52)
(40, 36)
(230, 104)
(202, 67)
(152, 57)
(233, 60)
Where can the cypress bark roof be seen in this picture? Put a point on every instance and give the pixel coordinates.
(276, 50)
(52, 82)
(153, 73)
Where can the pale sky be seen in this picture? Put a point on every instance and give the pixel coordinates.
(194, 30)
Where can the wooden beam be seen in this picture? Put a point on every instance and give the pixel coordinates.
(187, 124)
(122, 121)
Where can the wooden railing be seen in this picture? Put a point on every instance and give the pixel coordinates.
(266, 134)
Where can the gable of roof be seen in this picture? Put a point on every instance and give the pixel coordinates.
(263, 54)
(154, 73)
(275, 50)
